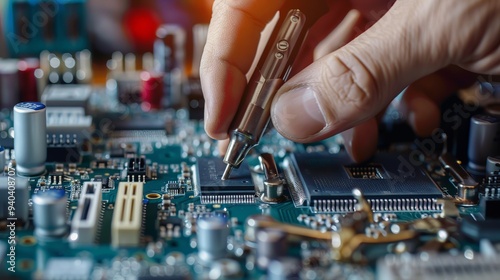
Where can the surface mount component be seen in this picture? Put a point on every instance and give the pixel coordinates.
(63, 149)
(238, 189)
(389, 182)
(490, 207)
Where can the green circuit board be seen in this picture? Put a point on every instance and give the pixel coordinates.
(321, 228)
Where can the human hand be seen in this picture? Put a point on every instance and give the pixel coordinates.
(350, 86)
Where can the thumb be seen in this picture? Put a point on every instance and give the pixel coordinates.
(354, 83)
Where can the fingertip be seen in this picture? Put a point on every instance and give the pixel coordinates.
(419, 107)
(214, 129)
(222, 146)
(217, 135)
(212, 125)
(424, 116)
(361, 141)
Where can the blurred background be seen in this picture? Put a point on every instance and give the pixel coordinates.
(102, 26)
(28, 27)
(143, 53)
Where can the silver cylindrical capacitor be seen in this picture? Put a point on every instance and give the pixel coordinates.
(30, 138)
(49, 213)
(212, 233)
(271, 245)
(484, 140)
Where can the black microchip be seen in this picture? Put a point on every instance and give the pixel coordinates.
(141, 122)
(63, 153)
(174, 221)
(116, 152)
(209, 175)
(490, 207)
(481, 229)
(389, 179)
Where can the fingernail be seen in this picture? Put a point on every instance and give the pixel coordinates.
(297, 114)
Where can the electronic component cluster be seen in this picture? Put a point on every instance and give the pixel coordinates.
(121, 182)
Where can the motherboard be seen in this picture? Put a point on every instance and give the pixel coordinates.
(118, 180)
(128, 194)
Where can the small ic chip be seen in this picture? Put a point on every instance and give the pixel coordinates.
(390, 182)
(173, 188)
(239, 188)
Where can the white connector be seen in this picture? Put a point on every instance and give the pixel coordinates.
(85, 219)
(68, 120)
(127, 215)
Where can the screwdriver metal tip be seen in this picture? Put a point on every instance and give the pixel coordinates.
(227, 172)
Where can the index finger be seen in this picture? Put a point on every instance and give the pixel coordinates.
(232, 41)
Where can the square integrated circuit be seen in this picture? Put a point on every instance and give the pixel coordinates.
(390, 182)
(239, 188)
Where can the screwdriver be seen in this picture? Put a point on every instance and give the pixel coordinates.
(273, 70)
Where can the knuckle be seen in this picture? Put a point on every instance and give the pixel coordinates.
(343, 84)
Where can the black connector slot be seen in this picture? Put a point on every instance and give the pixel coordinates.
(90, 189)
(86, 208)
